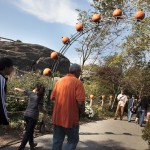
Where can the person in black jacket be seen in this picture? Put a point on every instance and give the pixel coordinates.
(143, 104)
(6, 68)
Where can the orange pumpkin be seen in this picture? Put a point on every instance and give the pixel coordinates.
(65, 39)
(47, 72)
(54, 55)
(91, 96)
(111, 97)
(96, 17)
(103, 96)
(140, 15)
(79, 26)
(117, 12)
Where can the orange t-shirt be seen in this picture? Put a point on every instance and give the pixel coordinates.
(67, 91)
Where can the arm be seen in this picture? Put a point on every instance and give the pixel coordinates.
(80, 97)
(19, 90)
(3, 109)
(81, 106)
(126, 100)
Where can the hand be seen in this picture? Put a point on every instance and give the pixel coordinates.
(15, 89)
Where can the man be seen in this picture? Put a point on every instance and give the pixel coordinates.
(122, 99)
(6, 68)
(69, 97)
(131, 107)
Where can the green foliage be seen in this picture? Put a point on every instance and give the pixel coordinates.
(17, 101)
(146, 132)
(106, 7)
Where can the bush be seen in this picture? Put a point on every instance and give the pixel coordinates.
(17, 102)
(146, 132)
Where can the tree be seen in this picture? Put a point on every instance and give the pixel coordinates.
(101, 34)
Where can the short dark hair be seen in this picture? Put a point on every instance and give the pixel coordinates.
(5, 62)
(74, 67)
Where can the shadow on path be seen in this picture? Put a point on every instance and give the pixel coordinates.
(104, 145)
(90, 133)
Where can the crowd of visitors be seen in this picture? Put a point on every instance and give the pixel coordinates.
(138, 106)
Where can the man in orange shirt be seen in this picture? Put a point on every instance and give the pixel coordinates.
(69, 97)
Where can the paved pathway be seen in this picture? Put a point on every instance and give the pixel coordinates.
(101, 135)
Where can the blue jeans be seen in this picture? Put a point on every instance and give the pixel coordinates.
(28, 136)
(59, 136)
(141, 117)
(129, 114)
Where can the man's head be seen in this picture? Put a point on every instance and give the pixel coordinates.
(6, 65)
(75, 69)
(133, 96)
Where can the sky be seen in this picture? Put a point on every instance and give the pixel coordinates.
(42, 22)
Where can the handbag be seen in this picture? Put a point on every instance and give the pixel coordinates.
(132, 108)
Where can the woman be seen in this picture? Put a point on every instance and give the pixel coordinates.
(35, 104)
(122, 100)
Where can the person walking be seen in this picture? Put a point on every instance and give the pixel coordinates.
(35, 104)
(122, 99)
(144, 105)
(138, 111)
(6, 68)
(69, 101)
(131, 107)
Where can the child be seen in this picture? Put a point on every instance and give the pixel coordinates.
(35, 104)
(6, 68)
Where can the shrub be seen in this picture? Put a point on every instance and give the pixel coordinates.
(146, 132)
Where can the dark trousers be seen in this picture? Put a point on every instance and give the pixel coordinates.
(59, 135)
(28, 136)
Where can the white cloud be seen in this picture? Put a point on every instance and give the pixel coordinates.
(53, 11)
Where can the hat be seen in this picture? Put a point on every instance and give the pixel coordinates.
(74, 67)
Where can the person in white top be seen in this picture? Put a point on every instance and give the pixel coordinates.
(122, 99)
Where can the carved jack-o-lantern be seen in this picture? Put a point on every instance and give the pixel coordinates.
(54, 55)
(91, 96)
(96, 17)
(47, 72)
(117, 12)
(140, 15)
(79, 26)
(65, 39)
